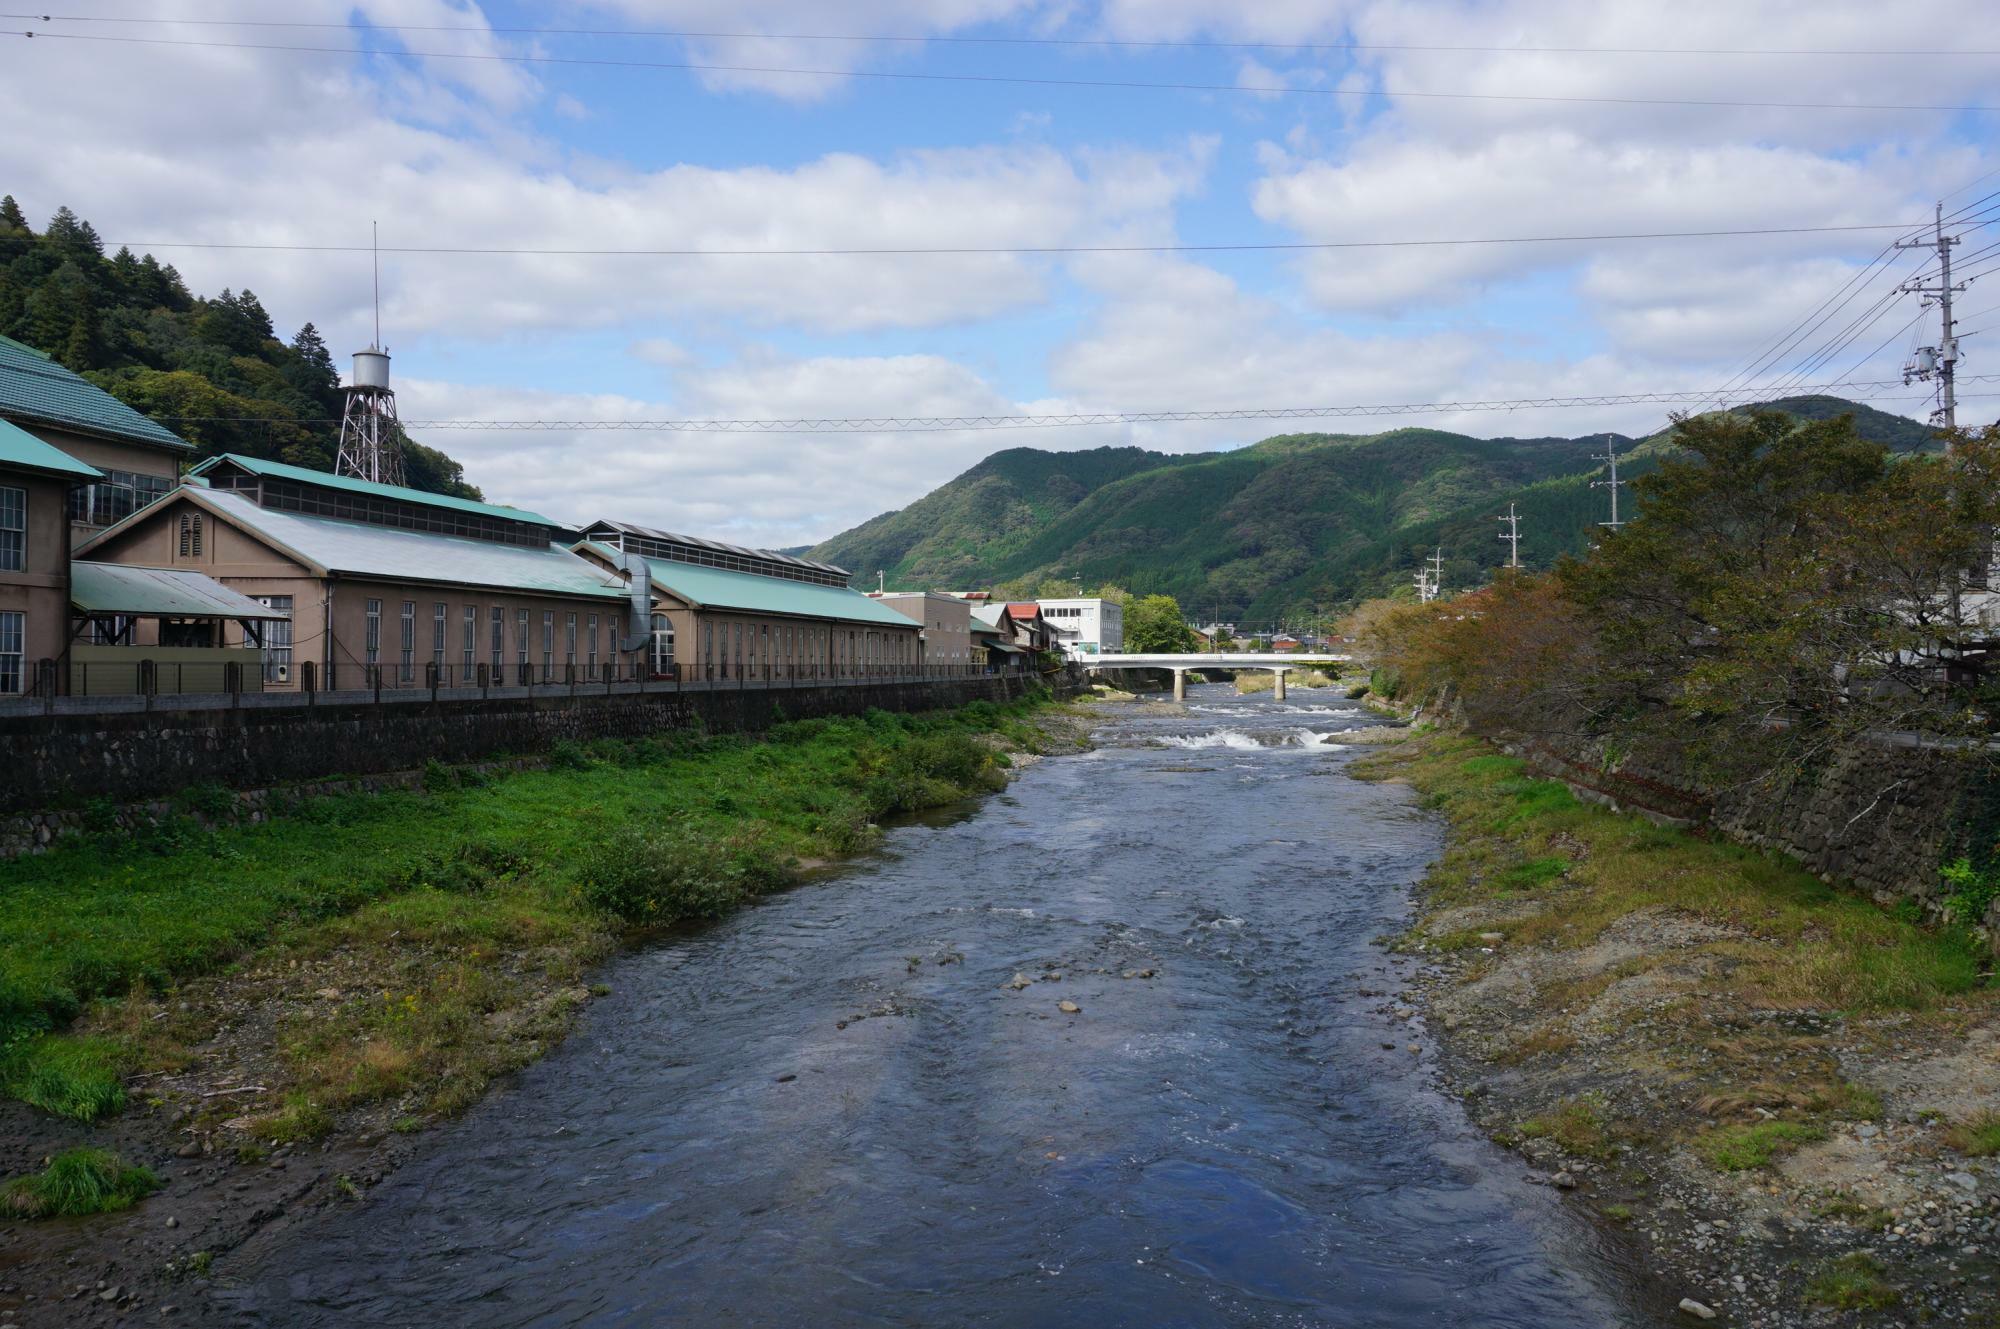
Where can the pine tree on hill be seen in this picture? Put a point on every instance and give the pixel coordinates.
(213, 370)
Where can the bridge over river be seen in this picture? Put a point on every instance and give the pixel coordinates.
(1279, 665)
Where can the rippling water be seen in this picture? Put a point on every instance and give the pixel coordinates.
(833, 1110)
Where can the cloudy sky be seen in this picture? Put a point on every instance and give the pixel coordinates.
(606, 139)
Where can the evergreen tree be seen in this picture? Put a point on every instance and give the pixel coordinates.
(311, 370)
(72, 238)
(11, 216)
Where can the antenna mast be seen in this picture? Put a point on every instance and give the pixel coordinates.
(1610, 458)
(1938, 362)
(1512, 535)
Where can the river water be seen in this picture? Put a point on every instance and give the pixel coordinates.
(832, 1108)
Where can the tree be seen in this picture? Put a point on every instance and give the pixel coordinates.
(1154, 626)
(1111, 594)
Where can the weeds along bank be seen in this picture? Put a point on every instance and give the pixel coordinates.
(1788, 1096)
(367, 963)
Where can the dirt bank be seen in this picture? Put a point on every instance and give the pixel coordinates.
(1785, 1097)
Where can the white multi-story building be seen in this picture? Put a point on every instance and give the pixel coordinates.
(1087, 626)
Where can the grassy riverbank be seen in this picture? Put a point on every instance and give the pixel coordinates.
(403, 948)
(1772, 1081)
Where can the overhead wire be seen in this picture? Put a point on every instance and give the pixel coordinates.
(1051, 420)
(956, 39)
(952, 250)
(1021, 80)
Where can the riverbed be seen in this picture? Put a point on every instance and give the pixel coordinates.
(868, 1101)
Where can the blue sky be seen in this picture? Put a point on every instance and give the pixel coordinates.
(210, 143)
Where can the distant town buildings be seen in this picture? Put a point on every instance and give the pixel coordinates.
(1086, 626)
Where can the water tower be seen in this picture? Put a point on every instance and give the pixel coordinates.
(371, 438)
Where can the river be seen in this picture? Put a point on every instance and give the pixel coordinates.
(833, 1108)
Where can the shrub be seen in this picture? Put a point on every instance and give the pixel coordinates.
(300, 1119)
(661, 874)
(78, 1181)
(438, 777)
(568, 755)
(928, 772)
(1970, 892)
(74, 1078)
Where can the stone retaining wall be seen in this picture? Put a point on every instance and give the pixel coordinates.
(64, 773)
(1881, 817)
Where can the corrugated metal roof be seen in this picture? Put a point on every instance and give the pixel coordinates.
(34, 387)
(718, 588)
(115, 588)
(701, 542)
(306, 475)
(363, 550)
(18, 447)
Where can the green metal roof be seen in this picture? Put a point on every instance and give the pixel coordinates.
(18, 447)
(278, 470)
(719, 588)
(114, 588)
(34, 387)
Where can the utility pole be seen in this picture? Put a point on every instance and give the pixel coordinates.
(1512, 535)
(1431, 577)
(1610, 458)
(1940, 361)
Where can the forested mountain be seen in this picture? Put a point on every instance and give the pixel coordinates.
(212, 369)
(1296, 523)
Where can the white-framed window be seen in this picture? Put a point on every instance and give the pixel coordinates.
(409, 640)
(373, 646)
(13, 529)
(277, 639)
(521, 640)
(499, 642)
(471, 643)
(13, 648)
(548, 642)
(590, 642)
(440, 629)
(569, 641)
(663, 644)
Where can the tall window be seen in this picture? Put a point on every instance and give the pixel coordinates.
(13, 646)
(663, 644)
(471, 638)
(752, 671)
(13, 529)
(499, 643)
(613, 644)
(117, 496)
(708, 646)
(548, 643)
(409, 640)
(569, 648)
(277, 639)
(440, 628)
(521, 641)
(374, 645)
(590, 644)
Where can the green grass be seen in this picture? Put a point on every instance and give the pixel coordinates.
(76, 1182)
(471, 870)
(1805, 943)
(1852, 1283)
(1978, 1136)
(1743, 1148)
(75, 1078)
(1578, 1126)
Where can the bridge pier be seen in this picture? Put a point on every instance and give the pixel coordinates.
(1278, 691)
(1180, 685)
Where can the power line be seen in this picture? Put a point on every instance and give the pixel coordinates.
(948, 250)
(1116, 43)
(941, 423)
(691, 66)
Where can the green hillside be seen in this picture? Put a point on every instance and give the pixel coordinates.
(1296, 523)
(212, 369)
